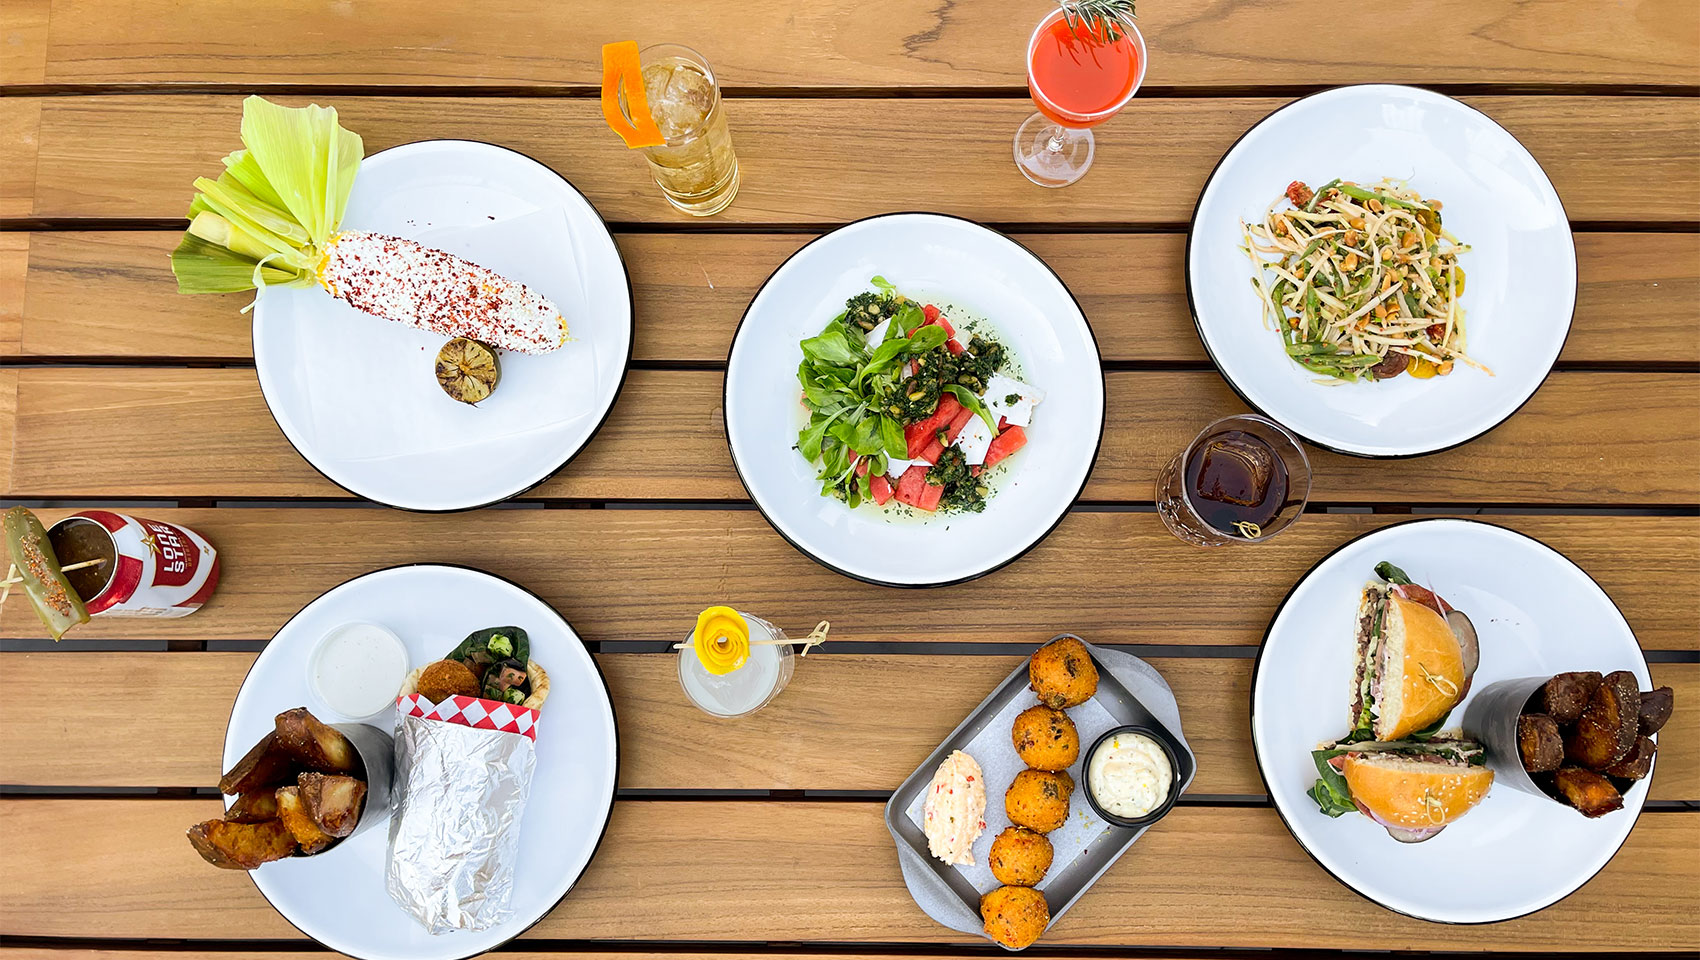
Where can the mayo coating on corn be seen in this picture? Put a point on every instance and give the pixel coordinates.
(437, 291)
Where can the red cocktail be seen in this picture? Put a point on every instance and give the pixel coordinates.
(1079, 73)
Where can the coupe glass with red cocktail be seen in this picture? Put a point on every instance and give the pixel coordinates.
(1085, 61)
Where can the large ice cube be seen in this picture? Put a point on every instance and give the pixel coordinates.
(680, 96)
(1237, 468)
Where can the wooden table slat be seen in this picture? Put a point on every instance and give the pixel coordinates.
(642, 575)
(883, 44)
(797, 743)
(111, 294)
(809, 871)
(809, 161)
(1585, 438)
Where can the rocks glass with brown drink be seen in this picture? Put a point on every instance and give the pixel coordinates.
(1243, 480)
(696, 168)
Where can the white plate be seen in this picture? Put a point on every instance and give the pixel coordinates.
(1520, 286)
(338, 897)
(945, 260)
(356, 395)
(1536, 614)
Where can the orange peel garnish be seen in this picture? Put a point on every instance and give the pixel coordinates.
(621, 67)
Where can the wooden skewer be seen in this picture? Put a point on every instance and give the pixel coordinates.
(12, 577)
(809, 642)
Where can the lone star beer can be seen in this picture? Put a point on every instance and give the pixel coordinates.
(148, 568)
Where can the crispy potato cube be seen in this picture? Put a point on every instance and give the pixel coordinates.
(1656, 707)
(1637, 763)
(266, 766)
(294, 815)
(313, 744)
(1591, 794)
(333, 801)
(1564, 697)
(1540, 742)
(1608, 726)
(241, 846)
(256, 807)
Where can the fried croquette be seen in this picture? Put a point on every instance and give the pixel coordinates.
(1045, 738)
(1038, 799)
(1062, 673)
(1020, 857)
(1015, 916)
(447, 678)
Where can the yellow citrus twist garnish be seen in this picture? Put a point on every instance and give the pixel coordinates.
(721, 640)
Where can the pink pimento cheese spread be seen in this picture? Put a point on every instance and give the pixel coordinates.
(437, 291)
(953, 816)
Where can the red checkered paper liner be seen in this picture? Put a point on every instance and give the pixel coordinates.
(473, 712)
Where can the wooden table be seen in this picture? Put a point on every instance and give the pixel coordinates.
(109, 742)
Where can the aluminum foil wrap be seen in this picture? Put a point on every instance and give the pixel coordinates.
(459, 797)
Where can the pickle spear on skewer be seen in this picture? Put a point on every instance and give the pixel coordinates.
(37, 571)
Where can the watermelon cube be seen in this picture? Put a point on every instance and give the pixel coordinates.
(1005, 444)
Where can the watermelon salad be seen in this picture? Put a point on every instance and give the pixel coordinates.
(905, 408)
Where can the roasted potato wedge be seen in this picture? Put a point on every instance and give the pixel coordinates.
(1656, 707)
(256, 807)
(333, 801)
(313, 744)
(1637, 763)
(266, 766)
(242, 846)
(1540, 742)
(293, 813)
(1565, 696)
(1590, 793)
(1608, 725)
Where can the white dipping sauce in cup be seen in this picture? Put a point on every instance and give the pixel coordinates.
(357, 669)
(1130, 775)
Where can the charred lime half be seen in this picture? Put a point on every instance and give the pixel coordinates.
(467, 370)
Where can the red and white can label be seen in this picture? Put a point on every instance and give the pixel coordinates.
(163, 570)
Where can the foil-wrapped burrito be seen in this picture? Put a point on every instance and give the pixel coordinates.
(463, 768)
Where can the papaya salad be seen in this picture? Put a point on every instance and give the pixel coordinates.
(903, 408)
(1361, 283)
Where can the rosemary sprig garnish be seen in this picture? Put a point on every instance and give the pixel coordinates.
(1102, 20)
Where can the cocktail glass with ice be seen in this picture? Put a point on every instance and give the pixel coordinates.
(1242, 480)
(696, 168)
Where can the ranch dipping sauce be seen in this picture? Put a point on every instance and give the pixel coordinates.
(357, 668)
(1130, 775)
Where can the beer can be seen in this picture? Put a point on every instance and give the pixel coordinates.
(152, 568)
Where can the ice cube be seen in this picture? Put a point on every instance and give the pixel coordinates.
(1237, 468)
(680, 96)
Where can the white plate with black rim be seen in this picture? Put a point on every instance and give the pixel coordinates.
(338, 897)
(1520, 292)
(973, 272)
(1536, 614)
(357, 395)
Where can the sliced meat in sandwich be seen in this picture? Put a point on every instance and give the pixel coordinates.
(1415, 658)
(1413, 788)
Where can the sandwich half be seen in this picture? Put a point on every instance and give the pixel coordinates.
(1415, 658)
(1413, 788)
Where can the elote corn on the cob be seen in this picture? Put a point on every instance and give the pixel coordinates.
(437, 291)
(274, 217)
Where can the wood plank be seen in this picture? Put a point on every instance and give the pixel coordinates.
(111, 294)
(160, 738)
(14, 266)
(1585, 438)
(20, 125)
(640, 576)
(23, 41)
(827, 872)
(664, 952)
(882, 44)
(809, 160)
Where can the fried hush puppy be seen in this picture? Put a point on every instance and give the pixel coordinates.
(447, 678)
(1020, 857)
(1062, 673)
(1038, 799)
(1015, 916)
(1045, 738)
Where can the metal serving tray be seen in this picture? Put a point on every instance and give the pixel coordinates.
(1066, 881)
